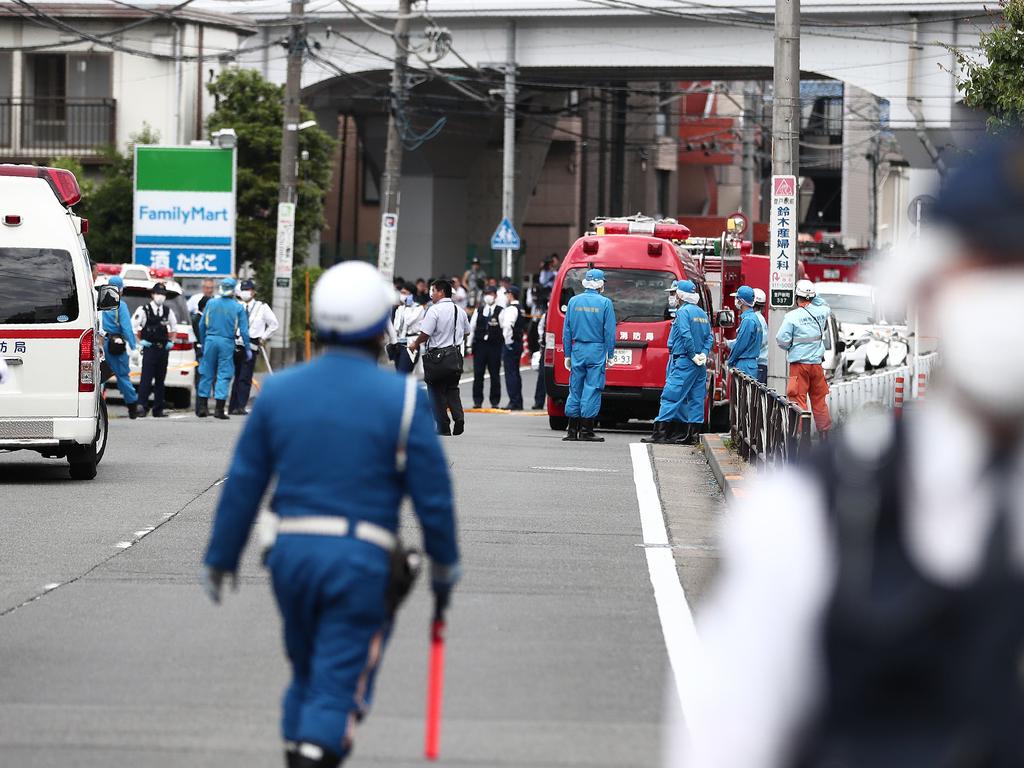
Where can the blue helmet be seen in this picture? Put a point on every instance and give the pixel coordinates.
(686, 286)
(595, 274)
(673, 287)
(593, 280)
(227, 286)
(745, 294)
(116, 281)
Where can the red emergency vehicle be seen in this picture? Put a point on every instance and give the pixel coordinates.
(640, 261)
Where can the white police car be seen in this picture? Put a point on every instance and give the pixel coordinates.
(49, 322)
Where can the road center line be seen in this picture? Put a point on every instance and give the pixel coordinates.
(574, 469)
(677, 625)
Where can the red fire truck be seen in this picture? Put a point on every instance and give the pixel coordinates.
(640, 260)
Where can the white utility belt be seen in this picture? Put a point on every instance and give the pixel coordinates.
(323, 525)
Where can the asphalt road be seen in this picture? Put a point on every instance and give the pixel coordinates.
(555, 656)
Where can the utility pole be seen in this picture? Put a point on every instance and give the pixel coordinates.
(508, 171)
(287, 197)
(748, 194)
(785, 162)
(393, 153)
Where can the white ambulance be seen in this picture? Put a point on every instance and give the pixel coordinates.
(49, 322)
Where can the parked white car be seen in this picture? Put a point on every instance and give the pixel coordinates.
(49, 322)
(868, 340)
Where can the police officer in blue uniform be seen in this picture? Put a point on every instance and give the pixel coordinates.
(118, 338)
(746, 347)
(681, 414)
(341, 474)
(223, 319)
(589, 340)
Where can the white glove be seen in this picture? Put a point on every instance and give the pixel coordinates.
(568, 364)
(700, 359)
(135, 358)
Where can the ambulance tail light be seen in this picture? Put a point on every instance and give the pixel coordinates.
(746, 248)
(181, 343)
(87, 362)
(655, 249)
(62, 182)
(590, 247)
(549, 350)
(662, 229)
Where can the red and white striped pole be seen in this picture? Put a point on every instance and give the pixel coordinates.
(900, 385)
(922, 385)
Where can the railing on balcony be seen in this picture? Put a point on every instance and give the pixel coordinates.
(46, 127)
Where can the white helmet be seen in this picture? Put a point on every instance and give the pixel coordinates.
(805, 289)
(759, 297)
(351, 302)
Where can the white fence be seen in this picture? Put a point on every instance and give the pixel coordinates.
(885, 389)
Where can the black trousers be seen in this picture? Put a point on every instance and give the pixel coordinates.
(242, 385)
(444, 394)
(487, 359)
(540, 392)
(513, 379)
(404, 363)
(154, 371)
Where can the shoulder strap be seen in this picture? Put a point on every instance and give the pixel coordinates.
(822, 330)
(408, 407)
(455, 323)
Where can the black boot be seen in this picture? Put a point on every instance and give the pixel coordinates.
(685, 435)
(573, 434)
(659, 435)
(133, 411)
(219, 412)
(306, 757)
(202, 407)
(587, 432)
(678, 433)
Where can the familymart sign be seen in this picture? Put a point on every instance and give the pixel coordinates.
(184, 210)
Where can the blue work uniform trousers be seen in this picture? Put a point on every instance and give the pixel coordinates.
(586, 380)
(513, 378)
(218, 363)
(154, 371)
(119, 365)
(487, 359)
(244, 370)
(748, 366)
(684, 393)
(331, 592)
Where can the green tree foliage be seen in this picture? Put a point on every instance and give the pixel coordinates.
(254, 107)
(995, 82)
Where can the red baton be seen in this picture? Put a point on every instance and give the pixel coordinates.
(435, 690)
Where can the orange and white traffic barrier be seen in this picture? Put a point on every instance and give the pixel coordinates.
(900, 387)
(922, 385)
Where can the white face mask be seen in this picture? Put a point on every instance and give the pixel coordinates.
(245, 295)
(159, 299)
(673, 301)
(488, 298)
(976, 316)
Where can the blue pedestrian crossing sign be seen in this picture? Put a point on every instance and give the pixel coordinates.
(505, 237)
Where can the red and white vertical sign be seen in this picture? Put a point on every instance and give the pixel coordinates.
(783, 242)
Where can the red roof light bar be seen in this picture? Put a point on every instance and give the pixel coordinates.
(62, 182)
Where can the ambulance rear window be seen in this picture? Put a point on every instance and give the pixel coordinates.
(37, 285)
(638, 295)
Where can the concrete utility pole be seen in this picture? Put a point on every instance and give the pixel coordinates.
(785, 157)
(508, 171)
(748, 194)
(393, 153)
(287, 196)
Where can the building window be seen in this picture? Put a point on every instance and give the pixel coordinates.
(663, 117)
(663, 180)
(67, 100)
(371, 180)
(6, 89)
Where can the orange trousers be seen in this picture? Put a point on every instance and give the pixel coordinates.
(804, 379)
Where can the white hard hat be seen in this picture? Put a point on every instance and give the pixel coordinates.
(351, 302)
(759, 296)
(805, 289)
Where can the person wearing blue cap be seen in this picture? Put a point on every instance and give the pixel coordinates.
(681, 414)
(222, 320)
(340, 474)
(588, 337)
(746, 347)
(118, 338)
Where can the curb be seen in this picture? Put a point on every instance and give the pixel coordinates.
(727, 467)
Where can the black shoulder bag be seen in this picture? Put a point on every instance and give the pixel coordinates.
(442, 363)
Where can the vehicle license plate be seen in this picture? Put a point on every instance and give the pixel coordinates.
(622, 357)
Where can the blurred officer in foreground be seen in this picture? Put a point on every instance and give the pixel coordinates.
(762, 358)
(746, 347)
(869, 611)
(681, 415)
(802, 336)
(118, 339)
(341, 474)
(223, 319)
(589, 339)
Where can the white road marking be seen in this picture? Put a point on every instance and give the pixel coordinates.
(54, 585)
(677, 625)
(574, 469)
(179, 416)
(123, 544)
(487, 376)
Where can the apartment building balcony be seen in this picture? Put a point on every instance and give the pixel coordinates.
(43, 127)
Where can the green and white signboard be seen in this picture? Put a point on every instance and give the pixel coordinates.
(184, 210)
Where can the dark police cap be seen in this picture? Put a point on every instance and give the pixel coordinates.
(490, 289)
(983, 200)
(247, 285)
(159, 288)
(514, 290)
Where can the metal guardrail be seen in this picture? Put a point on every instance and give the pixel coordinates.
(765, 427)
(54, 126)
(885, 389)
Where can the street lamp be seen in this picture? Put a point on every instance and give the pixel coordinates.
(225, 138)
